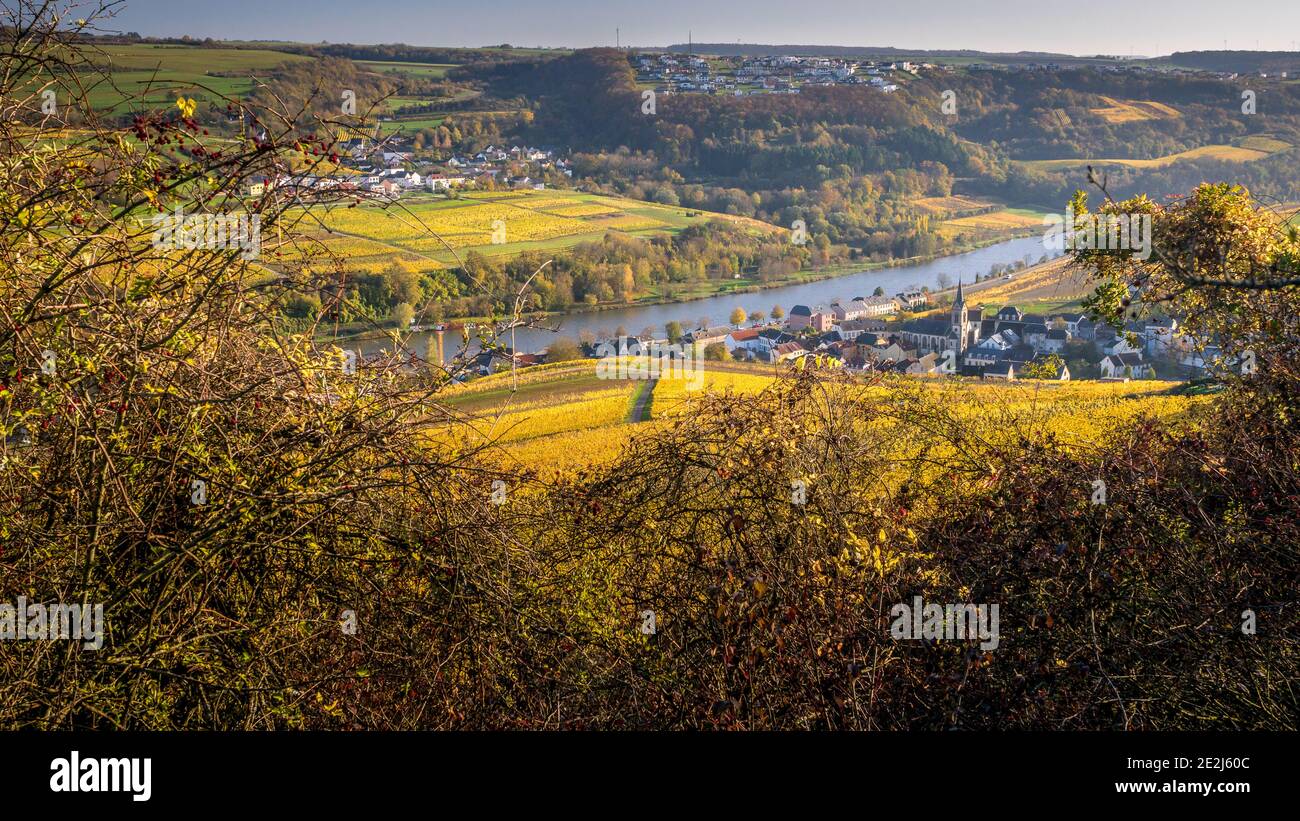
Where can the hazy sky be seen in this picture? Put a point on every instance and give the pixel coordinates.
(1145, 27)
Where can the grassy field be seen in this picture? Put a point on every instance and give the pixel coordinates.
(147, 75)
(410, 124)
(1249, 149)
(525, 220)
(1007, 218)
(1259, 142)
(159, 74)
(434, 70)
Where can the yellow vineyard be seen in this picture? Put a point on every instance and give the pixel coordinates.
(1132, 111)
(950, 205)
(1052, 281)
(1007, 218)
(461, 223)
(564, 419)
(1250, 149)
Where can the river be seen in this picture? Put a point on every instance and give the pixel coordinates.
(717, 309)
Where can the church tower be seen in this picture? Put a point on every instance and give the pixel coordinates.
(960, 321)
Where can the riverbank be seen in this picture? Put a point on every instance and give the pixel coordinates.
(368, 331)
(717, 310)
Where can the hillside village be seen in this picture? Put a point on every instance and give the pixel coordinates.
(392, 168)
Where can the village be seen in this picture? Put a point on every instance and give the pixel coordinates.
(875, 334)
(867, 334)
(685, 73)
(675, 72)
(392, 168)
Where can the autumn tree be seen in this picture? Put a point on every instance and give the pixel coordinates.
(563, 349)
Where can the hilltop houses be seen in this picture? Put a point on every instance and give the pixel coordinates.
(763, 74)
(393, 166)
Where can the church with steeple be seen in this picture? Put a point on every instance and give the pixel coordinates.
(965, 333)
(978, 340)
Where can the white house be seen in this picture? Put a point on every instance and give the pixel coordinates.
(1055, 340)
(1119, 345)
(439, 182)
(861, 308)
(747, 339)
(1160, 336)
(1130, 365)
(990, 350)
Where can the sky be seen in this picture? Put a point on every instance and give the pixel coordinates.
(1082, 27)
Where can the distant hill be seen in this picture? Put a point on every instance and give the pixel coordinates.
(867, 52)
(1241, 62)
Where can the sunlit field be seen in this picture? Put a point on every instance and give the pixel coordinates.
(567, 419)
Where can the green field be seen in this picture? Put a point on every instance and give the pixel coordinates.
(410, 126)
(155, 75)
(437, 70)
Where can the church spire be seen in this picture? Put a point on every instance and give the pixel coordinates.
(960, 320)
